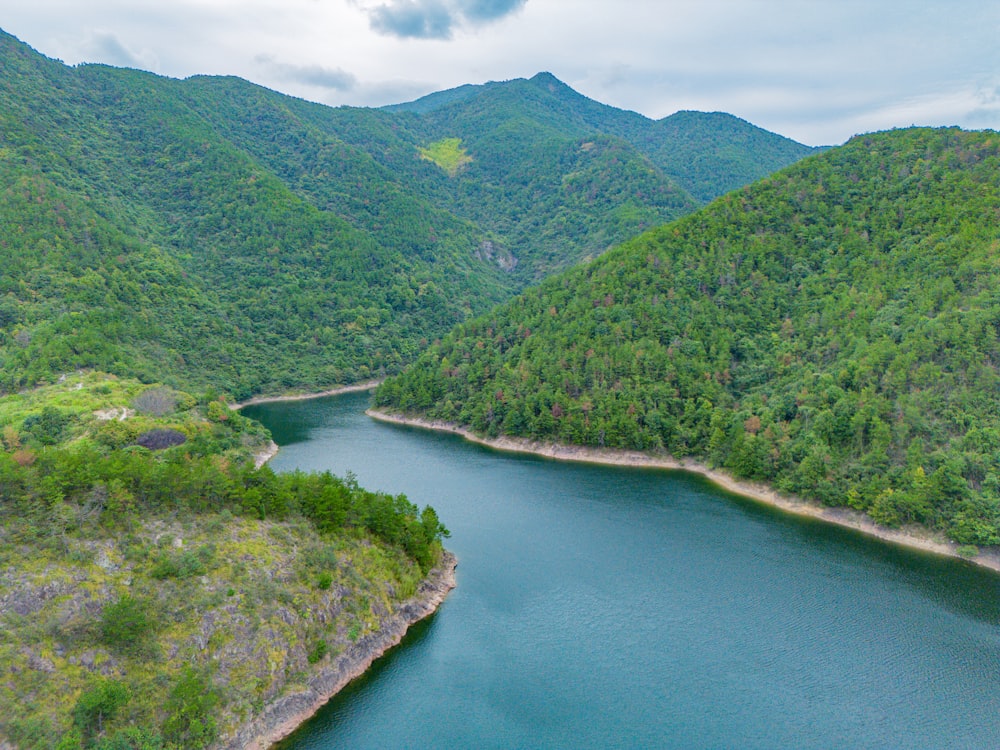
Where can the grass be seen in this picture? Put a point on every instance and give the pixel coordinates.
(448, 154)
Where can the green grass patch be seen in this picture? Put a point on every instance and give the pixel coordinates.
(448, 154)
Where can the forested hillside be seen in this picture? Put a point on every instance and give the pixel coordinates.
(140, 238)
(705, 155)
(209, 231)
(833, 330)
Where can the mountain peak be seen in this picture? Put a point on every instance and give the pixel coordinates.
(547, 79)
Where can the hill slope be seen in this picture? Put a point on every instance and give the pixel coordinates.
(159, 591)
(833, 330)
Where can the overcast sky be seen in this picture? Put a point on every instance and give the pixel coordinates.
(817, 71)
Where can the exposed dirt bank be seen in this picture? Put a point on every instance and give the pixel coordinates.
(354, 388)
(914, 537)
(285, 714)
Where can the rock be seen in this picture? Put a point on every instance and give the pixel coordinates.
(40, 663)
(104, 561)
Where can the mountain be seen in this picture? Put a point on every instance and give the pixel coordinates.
(833, 330)
(706, 154)
(212, 232)
(182, 592)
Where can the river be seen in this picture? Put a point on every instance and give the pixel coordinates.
(604, 607)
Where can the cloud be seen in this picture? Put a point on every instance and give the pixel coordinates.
(107, 48)
(310, 75)
(436, 19)
(420, 19)
(489, 10)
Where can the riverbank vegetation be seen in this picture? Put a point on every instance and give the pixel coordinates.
(832, 331)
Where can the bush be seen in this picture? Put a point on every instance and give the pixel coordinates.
(189, 722)
(126, 627)
(99, 704)
(116, 434)
(183, 564)
(318, 651)
(47, 428)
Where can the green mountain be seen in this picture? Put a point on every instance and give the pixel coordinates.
(705, 154)
(141, 236)
(833, 330)
(210, 231)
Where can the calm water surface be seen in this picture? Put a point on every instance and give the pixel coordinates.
(604, 608)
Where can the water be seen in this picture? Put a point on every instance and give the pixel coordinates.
(605, 607)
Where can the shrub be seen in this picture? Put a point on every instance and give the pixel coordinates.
(183, 564)
(125, 626)
(47, 428)
(318, 651)
(98, 704)
(189, 707)
(116, 434)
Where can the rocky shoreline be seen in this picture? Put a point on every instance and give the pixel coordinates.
(913, 537)
(285, 714)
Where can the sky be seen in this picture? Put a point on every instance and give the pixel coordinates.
(818, 71)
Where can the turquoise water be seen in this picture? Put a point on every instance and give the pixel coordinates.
(603, 607)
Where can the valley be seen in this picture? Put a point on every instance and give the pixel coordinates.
(183, 260)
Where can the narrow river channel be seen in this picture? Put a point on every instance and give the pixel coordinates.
(619, 608)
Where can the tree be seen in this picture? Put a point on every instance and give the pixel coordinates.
(190, 723)
(99, 704)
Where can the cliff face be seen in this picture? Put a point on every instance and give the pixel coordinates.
(284, 714)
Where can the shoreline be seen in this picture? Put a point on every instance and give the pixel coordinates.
(339, 390)
(913, 538)
(265, 454)
(287, 713)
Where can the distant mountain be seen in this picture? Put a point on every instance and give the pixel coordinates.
(706, 154)
(833, 330)
(210, 231)
(712, 153)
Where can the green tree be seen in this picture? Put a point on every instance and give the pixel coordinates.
(190, 722)
(99, 704)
